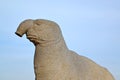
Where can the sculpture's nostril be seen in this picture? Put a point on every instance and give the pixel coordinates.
(17, 33)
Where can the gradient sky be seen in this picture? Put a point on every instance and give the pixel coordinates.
(90, 27)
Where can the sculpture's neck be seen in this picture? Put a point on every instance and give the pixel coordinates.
(53, 44)
(51, 48)
(52, 51)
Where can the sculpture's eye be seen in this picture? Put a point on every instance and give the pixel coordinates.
(41, 27)
(37, 27)
(38, 22)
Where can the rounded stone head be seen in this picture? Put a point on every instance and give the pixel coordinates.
(39, 31)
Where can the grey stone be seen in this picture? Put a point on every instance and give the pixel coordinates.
(53, 60)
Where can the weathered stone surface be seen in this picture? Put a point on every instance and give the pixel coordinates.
(53, 60)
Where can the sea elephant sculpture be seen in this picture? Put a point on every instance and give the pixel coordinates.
(52, 59)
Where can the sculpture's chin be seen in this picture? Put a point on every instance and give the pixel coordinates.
(34, 41)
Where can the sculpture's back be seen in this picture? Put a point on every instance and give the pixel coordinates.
(53, 60)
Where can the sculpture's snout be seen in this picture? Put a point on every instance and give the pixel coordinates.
(18, 33)
(23, 27)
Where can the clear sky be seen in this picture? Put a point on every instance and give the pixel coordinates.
(90, 27)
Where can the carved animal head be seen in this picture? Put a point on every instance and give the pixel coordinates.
(39, 31)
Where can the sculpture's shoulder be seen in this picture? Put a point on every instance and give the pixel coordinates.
(82, 60)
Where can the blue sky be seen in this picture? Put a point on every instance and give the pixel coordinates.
(90, 27)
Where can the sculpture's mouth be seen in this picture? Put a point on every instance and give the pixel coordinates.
(33, 39)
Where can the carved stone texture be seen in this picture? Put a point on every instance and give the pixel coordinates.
(53, 60)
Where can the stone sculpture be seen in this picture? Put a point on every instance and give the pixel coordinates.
(52, 59)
